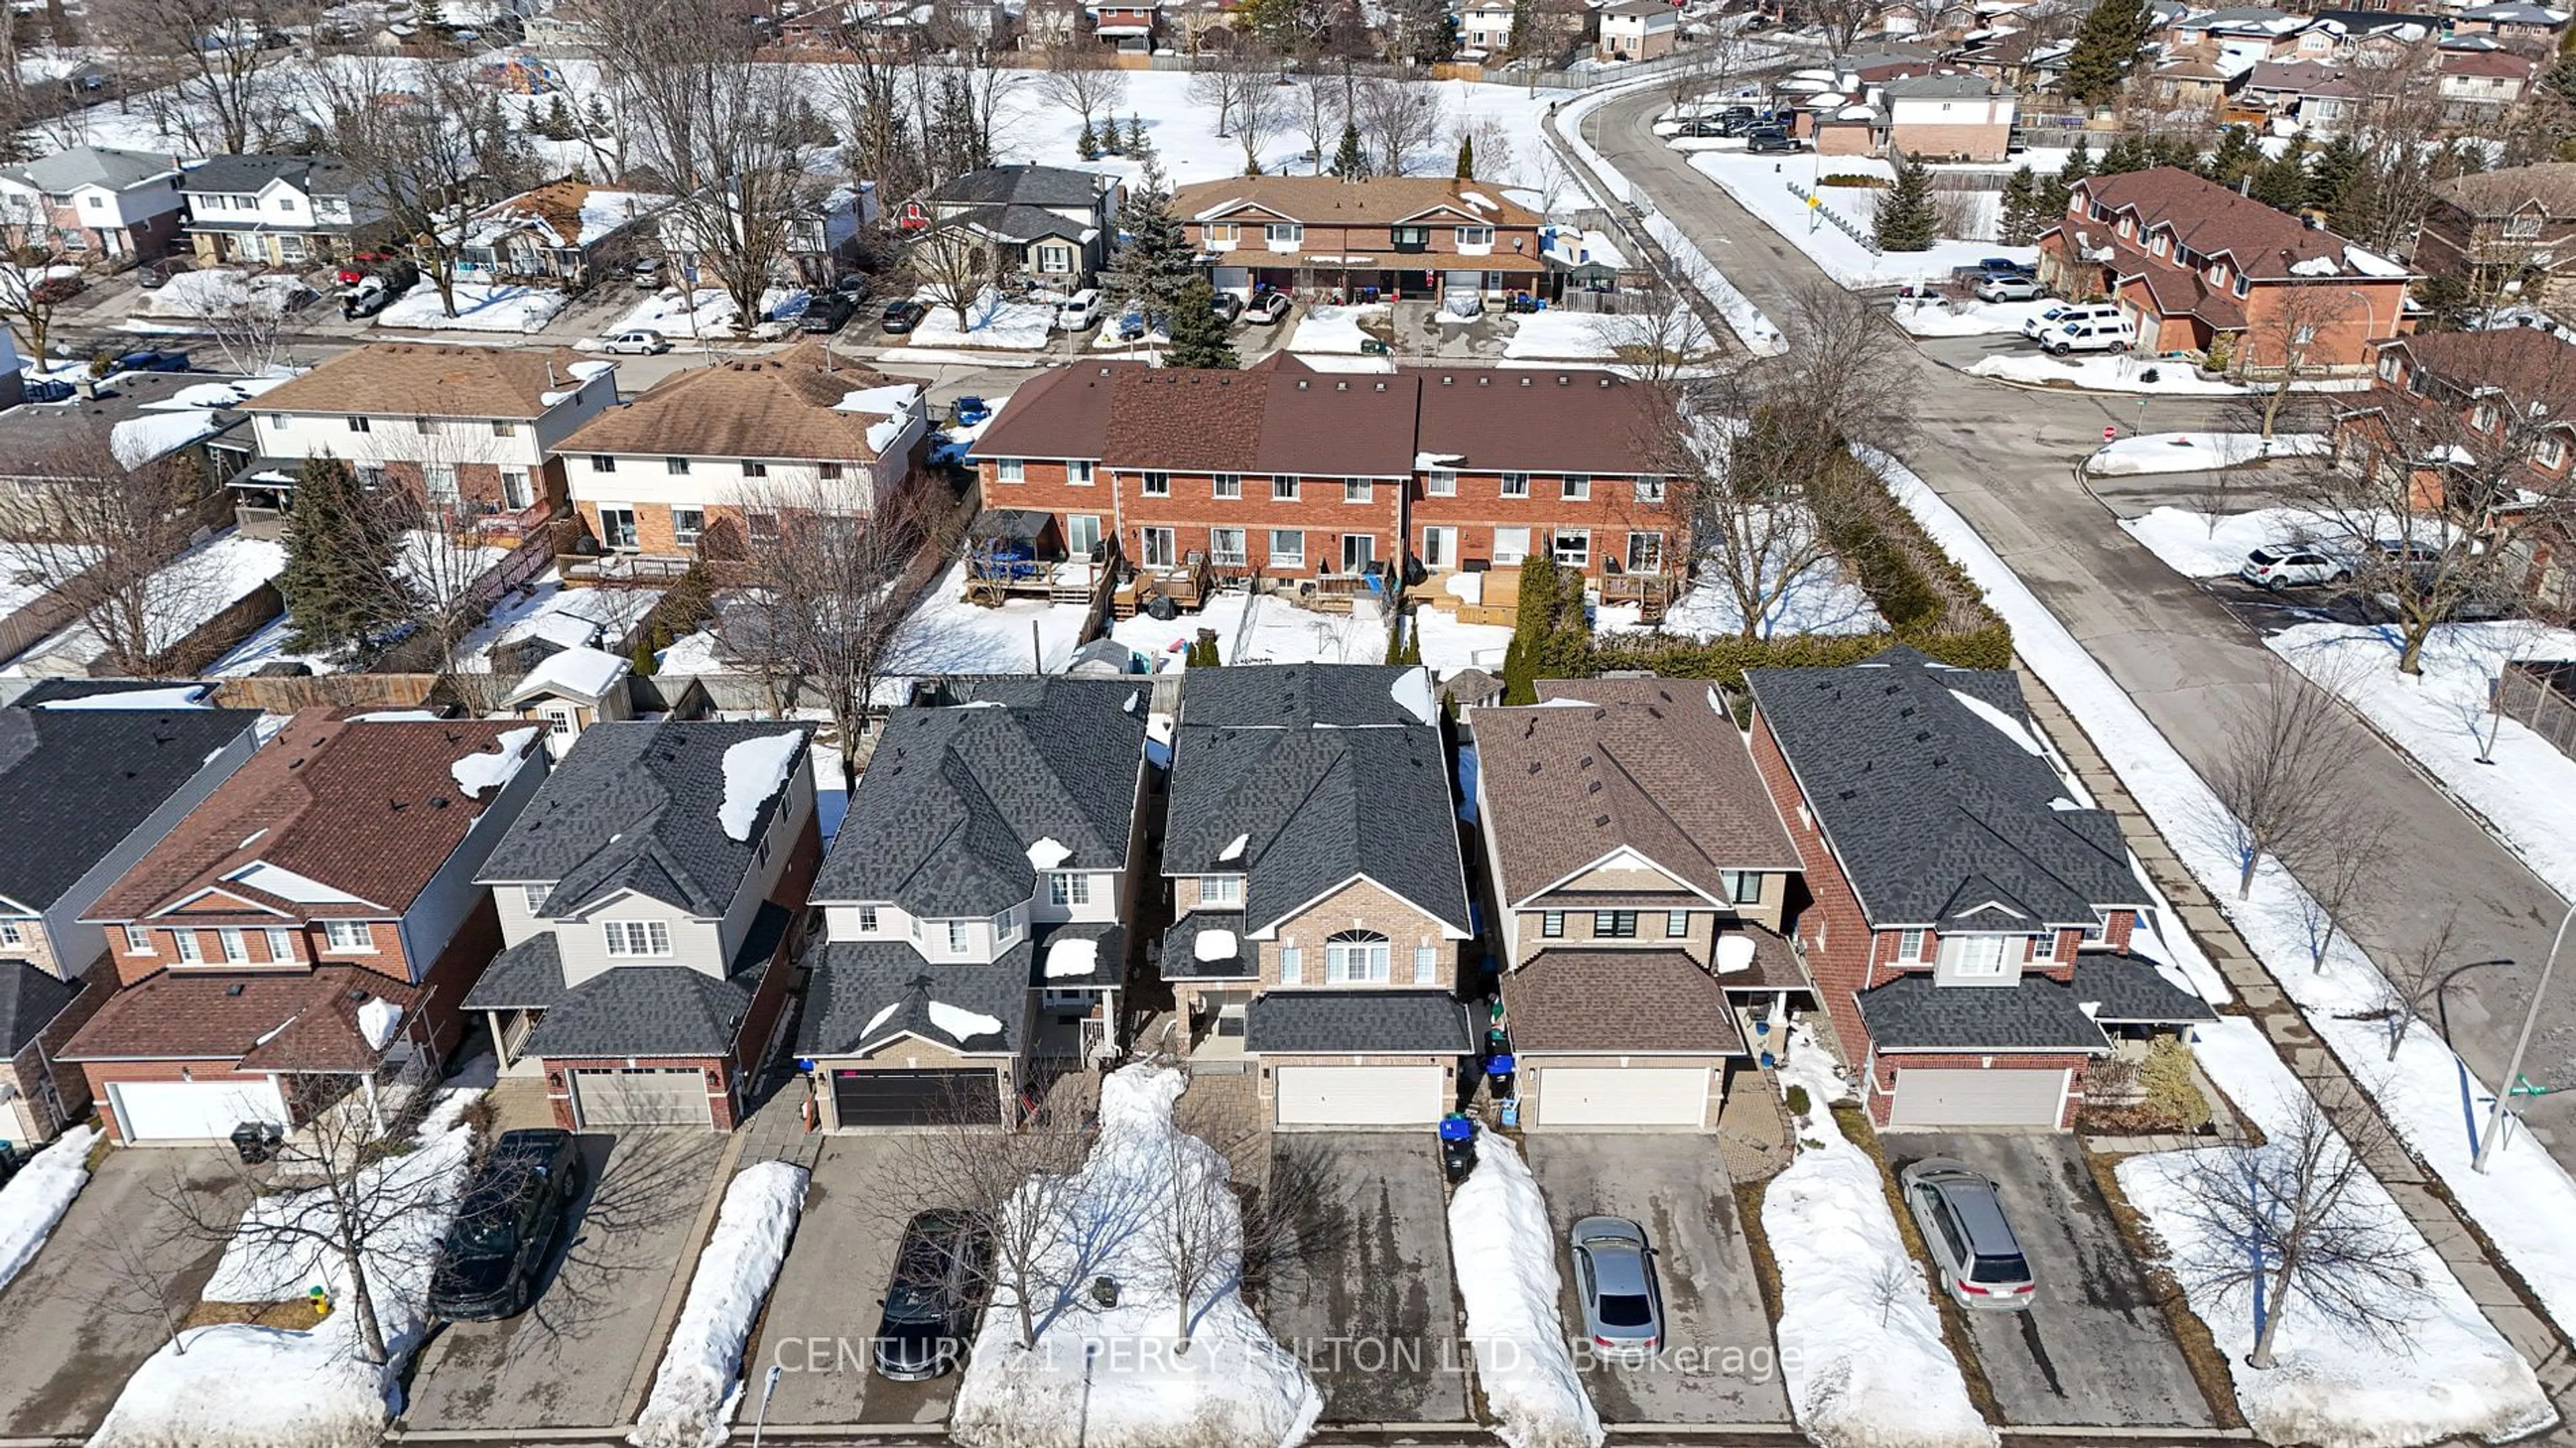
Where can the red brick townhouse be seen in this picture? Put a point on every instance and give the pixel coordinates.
(1390, 236)
(1967, 929)
(2190, 262)
(314, 916)
(1282, 472)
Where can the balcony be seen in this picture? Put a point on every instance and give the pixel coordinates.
(621, 570)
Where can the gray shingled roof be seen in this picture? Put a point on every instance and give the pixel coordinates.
(660, 1010)
(75, 782)
(1019, 185)
(526, 977)
(1027, 223)
(1373, 1022)
(954, 796)
(862, 993)
(1911, 1013)
(95, 166)
(1276, 694)
(1109, 955)
(1180, 960)
(1934, 812)
(30, 999)
(2130, 990)
(635, 806)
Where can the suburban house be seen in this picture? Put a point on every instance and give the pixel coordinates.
(1639, 880)
(1485, 28)
(472, 430)
(282, 211)
(560, 232)
(1319, 893)
(2240, 35)
(1950, 116)
(2189, 262)
(2510, 231)
(1638, 29)
(311, 923)
(815, 240)
(1127, 25)
(1390, 236)
(85, 788)
(1968, 926)
(190, 422)
(1052, 224)
(118, 207)
(2477, 84)
(649, 898)
(2324, 98)
(709, 459)
(2538, 27)
(977, 903)
(572, 689)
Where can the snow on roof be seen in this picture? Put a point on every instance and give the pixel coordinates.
(1412, 691)
(879, 1019)
(232, 392)
(288, 884)
(883, 400)
(138, 440)
(1479, 200)
(1234, 848)
(377, 1020)
(1072, 957)
(962, 1023)
(1425, 462)
(753, 771)
(883, 432)
(2370, 264)
(480, 771)
(2316, 266)
(588, 672)
(181, 696)
(2004, 723)
(1048, 853)
(1215, 945)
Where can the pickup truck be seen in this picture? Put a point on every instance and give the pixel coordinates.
(1987, 270)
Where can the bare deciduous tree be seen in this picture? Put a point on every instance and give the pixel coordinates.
(2338, 880)
(226, 80)
(1399, 118)
(37, 274)
(248, 320)
(2410, 978)
(2282, 780)
(425, 138)
(1082, 76)
(115, 541)
(953, 265)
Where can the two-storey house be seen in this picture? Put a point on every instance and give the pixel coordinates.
(1052, 224)
(1318, 892)
(976, 902)
(2510, 231)
(709, 460)
(1639, 879)
(1484, 28)
(1971, 929)
(2476, 85)
(284, 211)
(117, 207)
(648, 899)
(1638, 29)
(1126, 25)
(85, 788)
(1386, 236)
(562, 232)
(313, 922)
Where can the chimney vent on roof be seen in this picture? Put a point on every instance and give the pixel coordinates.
(1446, 379)
(1341, 387)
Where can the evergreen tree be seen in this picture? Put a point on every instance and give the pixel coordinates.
(1199, 336)
(1156, 262)
(2282, 184)
(2105, 48)
(1466, 158)
(340, 584)
(2125, 156)
(558, 124)
(2053, 190)
(2237, 157)
(2337, 169)
(1086, 145)
(644, 662)
(1349, 161)
(2024, 215)
(1907, 219)
(1202, 651)
(596, 118)
(1137, 145)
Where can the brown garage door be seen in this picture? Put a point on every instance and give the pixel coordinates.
(916, 1098)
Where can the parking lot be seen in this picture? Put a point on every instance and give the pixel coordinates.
(2093, 1349)
(1675, 1187)
(571, 1359)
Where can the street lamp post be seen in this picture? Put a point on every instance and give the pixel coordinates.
(2521, 1044)
(768, 1386)
(2442, 1017)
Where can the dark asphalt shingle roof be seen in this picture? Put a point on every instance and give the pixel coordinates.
(1370, 1022)
(30, 999)
(862, 993)
(1027, 223)
(2129, 989)
(662, 1009)
(75, 782)
(1020, 186)
(1935, 812)
(1108, 955)
(526, 976)
(1911, 1013)
(636, 806)
(1180, 959)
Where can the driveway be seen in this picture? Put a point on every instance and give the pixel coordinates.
(77, 1322)
(2093, 1350)
(1719, 1363)
(568, 1361)
(1373, 1305)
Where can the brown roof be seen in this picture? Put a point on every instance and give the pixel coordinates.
(2529, 364)
(369, 809)
(414, 379)
(780, 406)
(1276, 416)
(2214, 221)
(2550, 185)
(2486, 62)
(1526, 419)
(556, 206)
(1652, 766)
(1061, 413)
(1618, 1001)
(261, 1020)
(1331, 201)
(2175, 291)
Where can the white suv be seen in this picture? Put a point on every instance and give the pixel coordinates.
(1078, 312)
(2062, 313)
(2095, 334)
(2287, 565)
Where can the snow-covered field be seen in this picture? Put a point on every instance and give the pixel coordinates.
(948, 635)
(1942, 317)
(699, 1381)
(1336, 329)
(1502, 1245)
(36, 1198)
(1760, 185)
(1559, 336)
(1820, 601)
(2196, 452)
(991, 321)
(1279, 633)
(480, 307)
(2100, 372)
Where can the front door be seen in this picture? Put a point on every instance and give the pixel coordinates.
(1359, 550)
(1082, 534)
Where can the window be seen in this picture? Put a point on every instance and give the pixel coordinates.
(1356, 955)
(1225, 547)
(535, 897)
(1287, 548)
(2483, 417)
(1574, 547)
(637, 937)
(1161, 548)
(281, 944)
(503, 427)
(439, 480)
(2522, 228)
(138, 940)
(1743, 887)
(1443, 484)
(1650, 489)
(602, 463)
(1011, 470)
(1577, 487)
(1511, 545)
(1976, 955)
(186, 940)
(1909, 946)
(1225, 233)
(1067, 890)
(351, 936)
(1409, 238)
(1078, 473)
(359, 424)
(235, 945)
(867, 920)
(516, 495)
(1229, 485)
(1551, 926)
(1515, 485)
(1283, 233)
(11, 934)
(1357, 490)
(2549, 450)
(1426, 965)
(429, 426)
(760, 525)
(956, 937)
(1220, 889)
(1157, 485)
(1283, 490)
(1614, 924)
(616, 526)
(831, 472)
(687, 524)
(1292, 965)
(1646, 552)
(1676, 924)
(1475, 236)
(1001, 927)
(2303, 336)
(676, 467)
(559, 721)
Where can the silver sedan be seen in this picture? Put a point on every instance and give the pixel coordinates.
(1614, 1279)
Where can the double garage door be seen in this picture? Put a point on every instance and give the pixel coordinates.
(1675, 1096)
(667, 1097)
(1926, 1097)
(916, 1098)
(193, 1110)
(1358, 1095)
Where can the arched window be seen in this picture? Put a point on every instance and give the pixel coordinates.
(1355, 955)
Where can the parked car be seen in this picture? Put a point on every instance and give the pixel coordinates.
(152, 361)
(2013, 288)
(903, 314)
(648, 275)
(1268, 309)
(152, 276)
(2279, 566)
(1972, 1243)
(856, 286)
(1079, 312)
(2479, 607)
(1992, 266)
(2064, 312)
(506, 1224)
(1769, 139)
(1226, 305)
(1614, 1281)
(639, 341)
(367, 298)
(972, 410)
(2098, 334)
(826, 312)
(934, 1296)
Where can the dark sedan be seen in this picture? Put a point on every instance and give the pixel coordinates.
(903, 314)
(937, 1292)
(505, 1226)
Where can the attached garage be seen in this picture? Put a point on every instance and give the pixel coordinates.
(1358, 1095)
(668, 1096)
(1930, 1097)
(1672, 1096)
(193, 1110)
(916, 1098)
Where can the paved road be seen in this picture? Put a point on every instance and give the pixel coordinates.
(2004, 458)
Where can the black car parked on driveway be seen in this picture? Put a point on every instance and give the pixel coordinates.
(932, 1303)
(506, 1225)
(827, 311)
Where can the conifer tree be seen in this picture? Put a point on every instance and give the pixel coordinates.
(1349, 161)
(2022, 217)
(1156, 262)
(2107, 46)
(1907, 219)
(340, 583)
(1466, 158)
(1199, 335)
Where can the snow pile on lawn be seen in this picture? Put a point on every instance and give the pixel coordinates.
(36, 1198)
(184, 595)
(1864, 1367)
(1449, 646)
(695, 1389)
(1759, 185)
(1598, 336)
(1937, 317)
(1261, 628)
(480, 307)
(991, 321)
(568, 618)
(948, 635)
(1504, 1250)
(2204, 545)
(1336, 329)
(2099, 372)
(2441, 1371)
(221, 291)
(704, 312)
(240, 1386)
(2194, 452)
(753, 771)
(1233, 1385)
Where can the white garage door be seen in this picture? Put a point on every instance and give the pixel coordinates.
(640, 1098)
(1977, 1098)
(1622, 1096)
(1358, 1095)
(193, 1110)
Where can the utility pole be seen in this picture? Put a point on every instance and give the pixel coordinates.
(2521, 1043)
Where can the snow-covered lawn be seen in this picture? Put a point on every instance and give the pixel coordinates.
(1233, 1385)
(948, 635)
(1449, 646)
(1503, 1248)
(480, 307)
(1560, 336)
(568, 618)
(1861, 1350)
(2197, 452)
(184, 594)
(1941, 317)
(1820, 601)
(222, 290)
(1760, 184)
(2100, 372)
(704, 312)
(699, 1382)
(1337, 329)
(991, 321)
(2202, 545)
(1279, 633)
(36, 1198)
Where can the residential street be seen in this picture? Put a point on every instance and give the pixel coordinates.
(2005, 458)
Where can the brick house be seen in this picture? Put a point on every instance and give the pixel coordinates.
(1939, 116)
(309, 923)
(977, 903)
(1639, 878)
(1391, 236)
(649, 901)
(1052, 224)
(2510, 231)
(708, 459)
(2189, 262)
(1319, 893)
(119, 207)
(472, 429)
(84, 790)
(1969, 935)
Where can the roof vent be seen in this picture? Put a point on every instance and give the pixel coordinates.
(1605, 384)
(1525, 382)
(1564, 381)
(234, 989)
(1600, 820)
(1593, 788)
(1381, 387)
(1535, 766)
(1446, 380)
(1922, 734)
